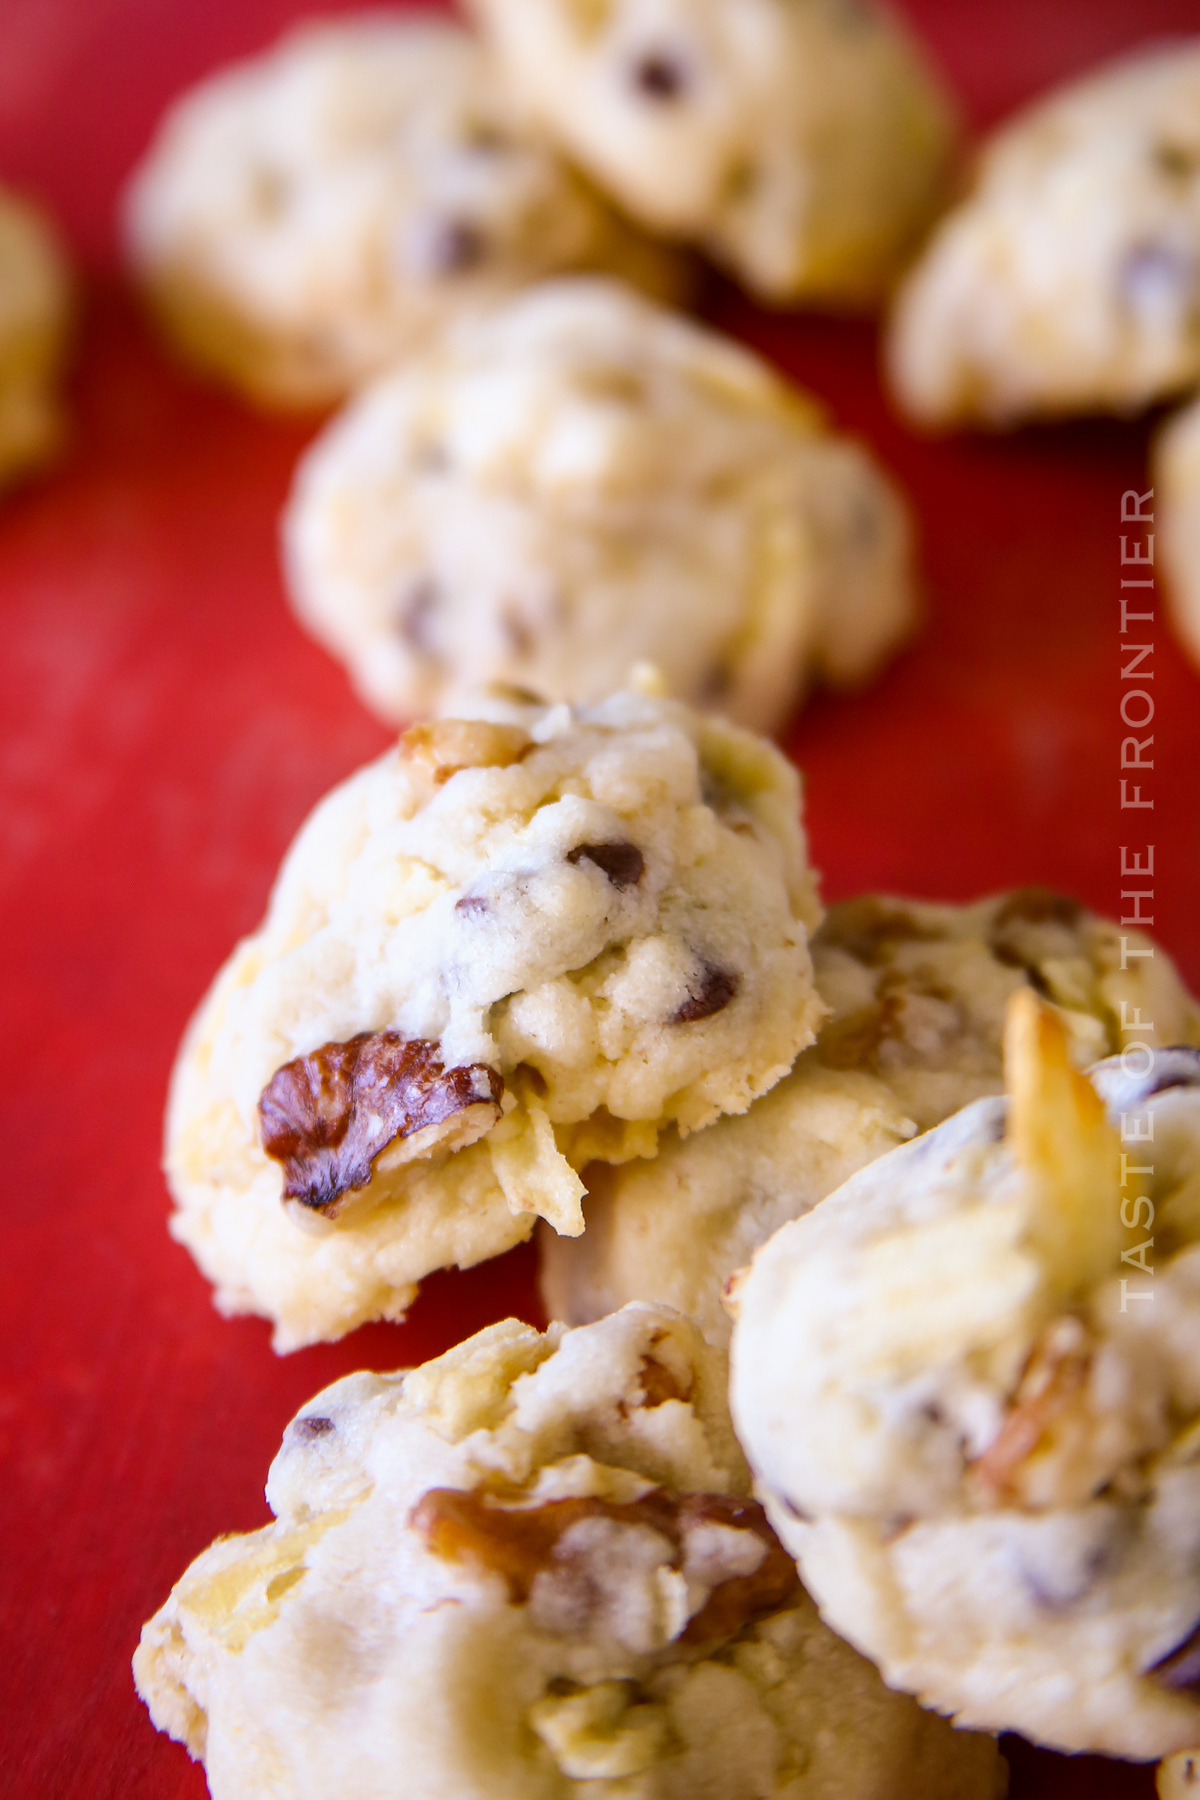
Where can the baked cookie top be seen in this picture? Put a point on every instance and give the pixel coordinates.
(969, 1385)
(1068, 279)
(35, 319)
(802, 143)
(529, 1569)
(306, 216)
(916, 995)
(537, 934)
(579, 479)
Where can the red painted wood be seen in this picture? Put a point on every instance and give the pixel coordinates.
(164, 728)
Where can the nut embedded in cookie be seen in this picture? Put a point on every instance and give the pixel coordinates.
(525, 1569)
(520, 941)
(969, 1385)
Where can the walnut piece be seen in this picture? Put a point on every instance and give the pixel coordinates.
(519, 1543)
(326, 1116)
(441, 747)
(1054, 1379)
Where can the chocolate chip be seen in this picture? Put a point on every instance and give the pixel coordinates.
(1180, 161)
(472, 906)
(326, 1116)
(622, 863)
(715, 990)
(659, 76)
(1038, 906)
(1179, 1670)
(1012, 936)
(867, 928)
(1155, 279)
(519, 1543)
(313, 1426)
(416, 615)
(437, 247)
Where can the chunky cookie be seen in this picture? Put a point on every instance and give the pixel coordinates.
(579, 480)
(1068, 280)
(969, 1386)
(306, 217)
(529, 1570)
(916, 996)
(35, 317)
(802, 143)
(1176, 503)
(520, 941)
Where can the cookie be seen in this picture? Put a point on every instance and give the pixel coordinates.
(305, 218)
(529, 1570)
(916, 995)
(1068, 279)
(1175, 473)
(35, 319)
(802, 143)
(1179, 1777)
(579, 480)
(969, 1386)
(518, 942)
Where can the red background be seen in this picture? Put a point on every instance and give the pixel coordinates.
(164, 728)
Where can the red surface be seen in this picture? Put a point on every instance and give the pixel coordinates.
(163, 730)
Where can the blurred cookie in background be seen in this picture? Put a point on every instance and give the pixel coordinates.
(581, 480)
(530, 1570)
(916, 994)
(803, 144)
(305, 217)
(1068, 280)
(35, 327)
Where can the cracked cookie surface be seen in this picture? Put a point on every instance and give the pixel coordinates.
(516, 943)
(526, 1571)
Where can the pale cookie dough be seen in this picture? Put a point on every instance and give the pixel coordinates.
(969, 1386)
(306, 217)
(802, 143)
(518, 942)
(1179, 1777)
(1068, 280)
(526, 1571)
(579, 480)
(35, 319)
(1175, 505)
(916, 995)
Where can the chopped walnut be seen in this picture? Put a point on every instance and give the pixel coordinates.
(327, 1116)
(520, 1544)
(441, 747)
(1054, 1379)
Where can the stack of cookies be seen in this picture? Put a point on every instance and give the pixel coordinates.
(850, 1446)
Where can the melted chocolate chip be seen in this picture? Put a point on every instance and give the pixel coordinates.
(868, 927)
(519, 1543)
(460, 246)
(313, 1426)
(659, 76)
(715, 990)
(622, 863)
(1174, 1077)
(1038, 906)
(472, 906)
(1179, 1670)
(326, 1116)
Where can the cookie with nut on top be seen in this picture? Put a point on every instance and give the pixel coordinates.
(530, 1570)
(518, 942)
(969, 1386)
